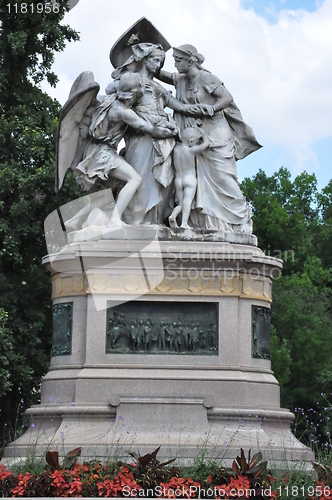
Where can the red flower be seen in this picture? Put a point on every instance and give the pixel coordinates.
(75, 488)
(111, 488)
(59, 483)
(20, 489)
(238, 486)
(5, 474)
(178, 487)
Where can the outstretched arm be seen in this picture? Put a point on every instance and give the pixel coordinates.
(224, 99)
(184, 109)
(165, 76)
(180, 107)
(201, 147)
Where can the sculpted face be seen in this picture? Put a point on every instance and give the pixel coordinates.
(130, 87)
(182, 64)
(154, 63)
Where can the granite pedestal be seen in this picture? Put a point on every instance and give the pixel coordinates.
(108, 394)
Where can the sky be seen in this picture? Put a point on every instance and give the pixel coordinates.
(275, 58)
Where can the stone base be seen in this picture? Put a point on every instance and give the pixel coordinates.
(108, 401)
(185, 428)
(163, 233)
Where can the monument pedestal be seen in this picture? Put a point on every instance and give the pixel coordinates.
(161, 343)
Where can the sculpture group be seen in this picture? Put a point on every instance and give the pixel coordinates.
(175, 169)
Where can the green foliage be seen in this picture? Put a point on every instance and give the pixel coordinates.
(27, 153)
(293, 221)
(323, 241)
(325, 202)
(284, 214)
(7, 354)
(280, 358)
(302, 319)
(28, 42)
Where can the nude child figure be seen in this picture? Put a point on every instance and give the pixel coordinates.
(184, 159)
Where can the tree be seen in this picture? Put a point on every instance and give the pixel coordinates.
(323, 240)
(301, 316)
(284, 214)
(27, 154)
(281, 359)
(293, 220)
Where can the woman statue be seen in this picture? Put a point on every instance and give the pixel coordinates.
(219, 202)
(151, 158)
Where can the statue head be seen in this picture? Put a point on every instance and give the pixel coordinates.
(191, 136)
(189, 53)
(157, 51)
(155, 59)
(130, 86)
(141, 53)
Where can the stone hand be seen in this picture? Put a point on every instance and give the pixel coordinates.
(162, 132)
(133, 40)
(167, 124)
(199, 110)
(193, 110)
(206, 109)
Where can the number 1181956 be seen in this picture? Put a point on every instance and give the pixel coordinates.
(24, 8)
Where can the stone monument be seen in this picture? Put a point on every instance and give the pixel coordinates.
(161, 297)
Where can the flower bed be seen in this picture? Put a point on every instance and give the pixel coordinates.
(148, 478)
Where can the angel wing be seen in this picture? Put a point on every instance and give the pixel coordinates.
(74, 122)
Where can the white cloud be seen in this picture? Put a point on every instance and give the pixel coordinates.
(279, 74)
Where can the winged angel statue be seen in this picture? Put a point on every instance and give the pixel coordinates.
(89, 134)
